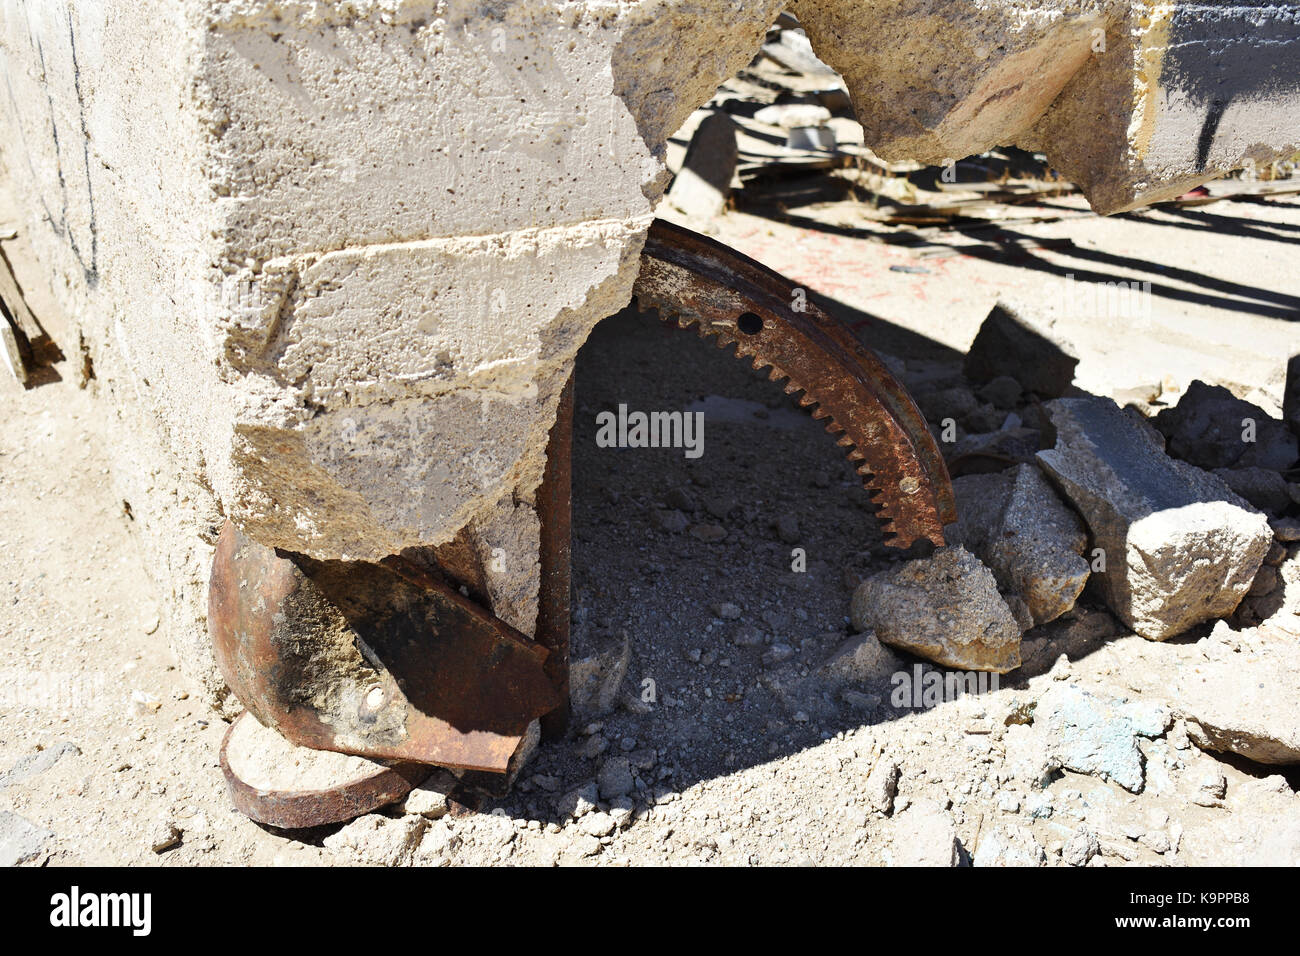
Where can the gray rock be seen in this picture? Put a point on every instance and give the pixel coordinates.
(431, 798)
(579, 801)
(1015, 523)
(614, 779)
(671, 520)
(993, 451)
(1009, 845)
(924, 835)
(703, 185)
(596, 673)
(680, 499)
(1003, 392)
(1179, 547)
(955, 402)
(1083, 846)
(1208, 428)
(1262, 487)
(1286, 530)
(1013, 343)
(787, 528)
(21, 841)
(881, 786)
(746, 635)
(37, 763)
(946, 608)
(985, 419)
(1241, 704)
(1211, 786)
(1089, 734)
(861, 659)
(379, 840)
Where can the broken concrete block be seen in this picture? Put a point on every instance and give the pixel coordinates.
(946, 608)
(1178, 546)
(1212, 428)
(703, 185)
(1012, 342)
(1241, 703)
(1089, 734)
(1171, 96)
(1026, 536)
(596, 673)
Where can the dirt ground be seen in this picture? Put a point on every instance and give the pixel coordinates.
(743, 755)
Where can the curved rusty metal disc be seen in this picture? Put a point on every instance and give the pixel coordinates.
(381, 661)
(358, 791)
(695, 281)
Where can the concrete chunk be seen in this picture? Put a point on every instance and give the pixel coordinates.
(1213, 428)
(1015, 523)
(1178, 546)
(1094, 735)
(703, 185)
(946, 608)
(1012, 342)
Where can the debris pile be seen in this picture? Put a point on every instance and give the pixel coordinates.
(1057, 488)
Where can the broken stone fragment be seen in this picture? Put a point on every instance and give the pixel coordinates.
(703, 185)
(377, 840)
(1178, 546)
(596, 673)
(1015, 523)
(861, 659)
(924, 835)
(1244, 705)
(945, 608)
(1013, 342)
(1089, 734)
(1009, 845)
(1262, 487)
(1212, 428)
(21, 841)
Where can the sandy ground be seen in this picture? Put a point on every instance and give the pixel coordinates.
(740, 758)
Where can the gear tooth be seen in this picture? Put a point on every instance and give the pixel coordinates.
(859, 439)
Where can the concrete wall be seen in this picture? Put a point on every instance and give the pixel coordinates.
(333, 260)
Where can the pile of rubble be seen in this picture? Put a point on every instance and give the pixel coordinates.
(1176, 523)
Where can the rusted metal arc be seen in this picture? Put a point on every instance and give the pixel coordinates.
(696, 281)
(360, 659)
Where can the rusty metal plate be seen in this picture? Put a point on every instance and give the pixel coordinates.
(382, 661)
(697, 282)
(358, 791)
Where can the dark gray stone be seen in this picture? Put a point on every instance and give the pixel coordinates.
(1012, 342)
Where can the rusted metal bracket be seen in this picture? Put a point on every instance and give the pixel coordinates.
(381, 661)
(391, 661)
